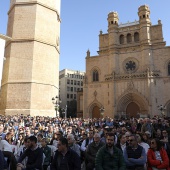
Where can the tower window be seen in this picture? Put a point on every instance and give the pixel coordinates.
(121, 39)
(136, 36)
(143, 16)
(95, 75)
(115, 22)
(111, 22)
(129, 38)
(169, 69)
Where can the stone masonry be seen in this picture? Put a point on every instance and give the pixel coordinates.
(30, 73)
(132, 69)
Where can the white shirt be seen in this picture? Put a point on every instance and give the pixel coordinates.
(5, 146)
(123, 146)
(84, 146)
(145, 146)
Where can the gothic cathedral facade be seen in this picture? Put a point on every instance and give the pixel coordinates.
(30, 75)
(130, 76)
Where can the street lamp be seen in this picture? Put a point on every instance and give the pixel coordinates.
(56, 101)
(102, 110)
(162, 108)
(65, 111)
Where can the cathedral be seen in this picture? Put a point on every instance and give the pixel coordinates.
(130, 76)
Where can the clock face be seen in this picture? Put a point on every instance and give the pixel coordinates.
(130, 66)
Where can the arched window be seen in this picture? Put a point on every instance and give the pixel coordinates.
(95, 75)
(121, 39)
(136, 36)
(169, 69)
(129, 38)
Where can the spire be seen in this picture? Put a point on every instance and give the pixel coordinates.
(88, 53)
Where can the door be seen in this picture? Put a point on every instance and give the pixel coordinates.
(132, 110)
(95, 112)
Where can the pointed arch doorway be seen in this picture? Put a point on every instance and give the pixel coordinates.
(96, 112)
(132, 109)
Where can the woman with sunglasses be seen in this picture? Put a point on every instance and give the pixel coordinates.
(157, 156)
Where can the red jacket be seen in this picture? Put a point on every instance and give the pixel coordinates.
(152, 162)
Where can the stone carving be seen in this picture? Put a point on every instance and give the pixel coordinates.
(95, 93)
(130, 85)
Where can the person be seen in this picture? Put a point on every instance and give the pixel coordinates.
(2, 134)
(71, 143)
(2, 166)
(87, 141)
(39, 139)
(122, 143)
(109, 157)
(56, 137)
(47, 152)
(147, 126)
(8, 153)
(134, 155)
(65, 158)
(157, 156)
(85, 144)
(92, 150)
(21, 150)
(28, 133)
(142, 143)
(34, 155)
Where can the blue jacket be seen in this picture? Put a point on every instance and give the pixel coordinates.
(132, 162)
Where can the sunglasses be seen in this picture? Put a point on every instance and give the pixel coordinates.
(131, 140)
(152, 143)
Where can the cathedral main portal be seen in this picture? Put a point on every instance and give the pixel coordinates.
(132, 110)
(132, 105)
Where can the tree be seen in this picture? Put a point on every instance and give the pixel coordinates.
(72, 108)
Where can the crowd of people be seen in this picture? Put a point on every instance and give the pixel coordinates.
(41, 143)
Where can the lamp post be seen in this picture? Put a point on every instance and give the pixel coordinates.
(56, 101)
(102, 111)
(161, 108)
(65, 111)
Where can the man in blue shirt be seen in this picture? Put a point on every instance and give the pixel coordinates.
(134, 155)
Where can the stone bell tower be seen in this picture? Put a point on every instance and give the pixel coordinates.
(31, 69)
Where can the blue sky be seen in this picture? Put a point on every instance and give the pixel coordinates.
(83, 19)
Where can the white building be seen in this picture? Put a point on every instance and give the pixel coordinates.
(70, 81)
(3, 39)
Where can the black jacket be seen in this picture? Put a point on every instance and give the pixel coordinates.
(35, 159)
(72, 159)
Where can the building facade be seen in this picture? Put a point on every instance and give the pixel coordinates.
(31, 69)
(130, 76)
(70, 82)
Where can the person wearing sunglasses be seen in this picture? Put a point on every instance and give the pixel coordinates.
(134, 155)
(157, 156)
